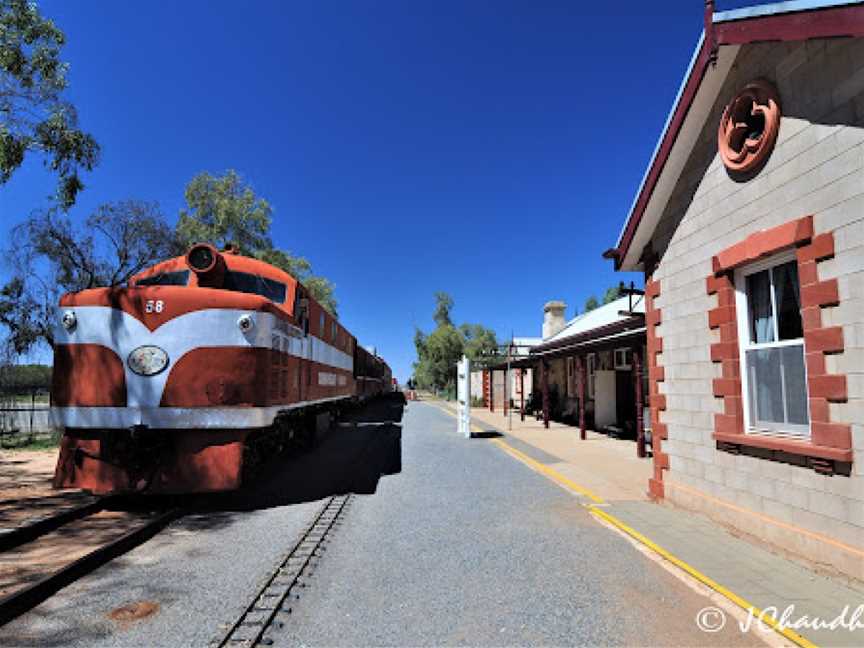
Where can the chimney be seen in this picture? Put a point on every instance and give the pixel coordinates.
(553, 318)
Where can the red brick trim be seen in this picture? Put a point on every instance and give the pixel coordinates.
(827, 440)
(487, 396)
(656, 375)
(786, 445)
(764, 243)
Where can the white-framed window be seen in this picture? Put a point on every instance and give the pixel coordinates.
(771, 341)
(592, 369)
(623, 358)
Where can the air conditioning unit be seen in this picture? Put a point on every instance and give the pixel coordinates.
(623, 358)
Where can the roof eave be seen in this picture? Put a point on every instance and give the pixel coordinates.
(784, 21)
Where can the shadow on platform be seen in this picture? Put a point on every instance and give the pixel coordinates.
(486, 434)
(351, 457)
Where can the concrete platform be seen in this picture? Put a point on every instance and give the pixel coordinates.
(600, 463)
(610, 469)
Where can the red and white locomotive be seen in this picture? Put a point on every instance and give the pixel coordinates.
(173, 383)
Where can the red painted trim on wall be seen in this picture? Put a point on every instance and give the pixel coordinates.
(656, 375)
(830, 22)
(827, 440)
(763, 243)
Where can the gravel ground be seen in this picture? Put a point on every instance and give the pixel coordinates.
(467, 546)
(457, 544)
(179, 588)
(199, 572)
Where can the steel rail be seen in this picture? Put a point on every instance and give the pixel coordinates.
(249, 629)
(25, 599)
(33, 530)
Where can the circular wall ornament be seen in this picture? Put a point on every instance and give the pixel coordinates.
(749, 126)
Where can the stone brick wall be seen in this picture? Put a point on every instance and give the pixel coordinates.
(817, 168)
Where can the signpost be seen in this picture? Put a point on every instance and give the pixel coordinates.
(463, 396)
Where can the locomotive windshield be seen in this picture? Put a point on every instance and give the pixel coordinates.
(250, 283)
(179, 278)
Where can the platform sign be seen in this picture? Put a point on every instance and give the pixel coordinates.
(463, 396)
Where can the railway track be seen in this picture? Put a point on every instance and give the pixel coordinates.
(261, 616)
(141, 527)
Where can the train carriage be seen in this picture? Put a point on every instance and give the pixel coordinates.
(179, 381)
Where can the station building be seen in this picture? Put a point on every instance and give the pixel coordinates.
(586, 369)
(749, 228)
(588, 372)
(501, 389)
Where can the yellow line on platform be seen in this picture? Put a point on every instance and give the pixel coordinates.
(748, 607)
(598, 512)
(552, 474)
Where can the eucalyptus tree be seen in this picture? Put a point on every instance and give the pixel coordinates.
(225, 210)
(34, 116)
(52, 255)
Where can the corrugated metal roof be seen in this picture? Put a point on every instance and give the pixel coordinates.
(593, 342)
(599, 317)
(526, 341)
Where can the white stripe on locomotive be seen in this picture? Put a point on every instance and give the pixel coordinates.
(216, 327)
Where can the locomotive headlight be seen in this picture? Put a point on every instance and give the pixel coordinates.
(246, 323)
(147, 360)
(69, 320)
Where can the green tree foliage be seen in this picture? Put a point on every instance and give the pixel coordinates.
(51, 256)
(590, 304)
(224, 210)
(34, 117)
(295, 266)
(323, 291)
(439, 351)
(24, 378)
(612, 293)
(479, 340)
(443, 306)
(442, 349)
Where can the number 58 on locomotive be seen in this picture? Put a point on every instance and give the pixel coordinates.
(182, 380)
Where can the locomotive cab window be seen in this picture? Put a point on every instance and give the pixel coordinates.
(255, 285)
(178, 278)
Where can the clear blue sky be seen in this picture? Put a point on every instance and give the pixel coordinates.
(489, 149)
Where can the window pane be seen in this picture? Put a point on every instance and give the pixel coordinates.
(792, 358)
(777, 387)
(253, 284)
(788, 301)
(759, 300)
(178, 278)
(766, 396)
